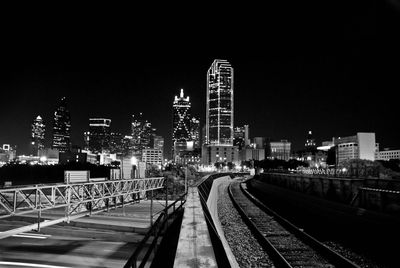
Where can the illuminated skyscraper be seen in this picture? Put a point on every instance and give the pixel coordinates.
(218, 145)
(181, 123)
(38, 130)
(181, 118)
(142, 133)
(310, 142)
(219, 114)
(99, 135)
(62, 127)
(116, 143)
(195, 132)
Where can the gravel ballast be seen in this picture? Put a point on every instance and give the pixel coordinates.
(244, 246)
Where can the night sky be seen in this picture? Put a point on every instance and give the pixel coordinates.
(333, 70)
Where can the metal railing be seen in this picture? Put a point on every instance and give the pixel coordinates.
(75, 197)
(155, 231)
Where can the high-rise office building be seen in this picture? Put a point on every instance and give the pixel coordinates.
(310, 142)
(195, 132)
(241, 136)
(38, 131)
(181, 136)
(181, 123)
(99, 137)
(127, 146)
(158, 143)
(219, 114)
(62, 127)
(86, 139)
(142, 133)
(116, 143)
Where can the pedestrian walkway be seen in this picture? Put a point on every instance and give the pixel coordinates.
(194, 246)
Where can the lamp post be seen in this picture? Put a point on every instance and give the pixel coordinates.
(134, 164)
(186, 186)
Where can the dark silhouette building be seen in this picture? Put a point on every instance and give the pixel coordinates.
(99, 135)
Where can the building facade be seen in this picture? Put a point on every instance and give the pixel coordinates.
(62, 127)
(37, 135)
(99, 135)
(152, 156)
(360, 146)
(387, 155)
(280, 150)
(7, 153)
(260, 142)
(247, 154)
(241, 137)
(195, 132)
(212, 154)
(219, 110)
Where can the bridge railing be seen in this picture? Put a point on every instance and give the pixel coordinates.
(75, 197)
(155, 231)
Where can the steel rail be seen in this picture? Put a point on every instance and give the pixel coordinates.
(336, 259)
(265, 243)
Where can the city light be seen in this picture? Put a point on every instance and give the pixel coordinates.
(134, 161)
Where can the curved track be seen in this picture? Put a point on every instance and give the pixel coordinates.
(287, 245)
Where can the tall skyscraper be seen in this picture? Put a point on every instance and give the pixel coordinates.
(241, 136)
(195, 132)
(181, 123)
(86, 139)
(116, 143)
(62, 127)
(181, 118)
(218, 145)
(310, 142)
(142, 133)
(219, 114)
(158, 143)
(38, 131)
(99, 135)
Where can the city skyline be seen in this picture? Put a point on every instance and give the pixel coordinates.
(336, 78)
(271, 129)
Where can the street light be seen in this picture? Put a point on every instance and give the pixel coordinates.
(186, 186)
(134, 162)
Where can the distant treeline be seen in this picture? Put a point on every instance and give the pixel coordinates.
(36, 174)
(267, 164)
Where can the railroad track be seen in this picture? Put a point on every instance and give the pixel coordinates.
(287, 245)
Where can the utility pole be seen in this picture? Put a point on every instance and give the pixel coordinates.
(186, 186)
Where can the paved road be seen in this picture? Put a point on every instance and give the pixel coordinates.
(64, 251)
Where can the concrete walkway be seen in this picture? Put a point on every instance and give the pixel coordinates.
(194, 247)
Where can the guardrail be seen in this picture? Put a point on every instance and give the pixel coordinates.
(75, 197)
(155, 231)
